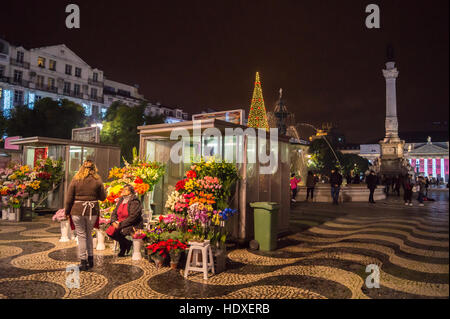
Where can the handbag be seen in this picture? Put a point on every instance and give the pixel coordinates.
(415, 189)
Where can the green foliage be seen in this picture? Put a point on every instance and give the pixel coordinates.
(48, 118)
(120, 126)
(322, 158)
(354, 163)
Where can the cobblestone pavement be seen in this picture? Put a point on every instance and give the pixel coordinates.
(325, 256)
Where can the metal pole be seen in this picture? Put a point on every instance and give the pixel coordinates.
(243, 194)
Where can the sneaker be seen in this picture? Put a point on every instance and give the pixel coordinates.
(421, 204)
(406, 204)
(410, 204)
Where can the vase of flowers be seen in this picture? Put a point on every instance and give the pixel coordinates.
(5, 208)
(100, 240)
(60, 216)
(138, 242)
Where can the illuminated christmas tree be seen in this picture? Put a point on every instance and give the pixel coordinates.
(257, 116)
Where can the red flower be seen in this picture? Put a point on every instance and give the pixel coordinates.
(189, 230)
(191, 174)
(180, 184)
(138, 180)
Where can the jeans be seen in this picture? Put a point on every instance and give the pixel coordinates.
(407, 195)
(83, 229)
(372, 190)
(420, 198)
(335, 194)
(294, 193)
(310, 190)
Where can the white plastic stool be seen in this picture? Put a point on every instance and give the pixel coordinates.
(193, 262)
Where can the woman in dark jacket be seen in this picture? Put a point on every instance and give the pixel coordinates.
(81, 204)
(126, 217)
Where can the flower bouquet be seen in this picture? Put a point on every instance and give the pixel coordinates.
(60, 215)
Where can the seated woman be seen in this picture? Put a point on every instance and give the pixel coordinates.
(126, 217)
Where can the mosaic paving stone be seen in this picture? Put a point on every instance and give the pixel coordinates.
(324, 256)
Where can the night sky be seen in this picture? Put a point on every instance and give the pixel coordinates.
(204, 54)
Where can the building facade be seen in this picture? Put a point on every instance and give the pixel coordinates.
(426, 158)
(58, 73)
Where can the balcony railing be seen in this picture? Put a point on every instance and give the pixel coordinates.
(46, 87)
(73, 94)
(4, 79)
(20, 82)
(96, 83)
(22, 64)
(96, 98)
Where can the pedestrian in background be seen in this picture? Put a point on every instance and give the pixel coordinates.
(81, 203)
(294, 181)
(371, 181)
(336, 182)
(398, 183)
(311, 181)
(408, 184)
(421, 185)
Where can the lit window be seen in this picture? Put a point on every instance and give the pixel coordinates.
(52, 65)
(41, 62)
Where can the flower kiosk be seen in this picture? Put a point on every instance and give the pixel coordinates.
(252, 186)
(48, 166)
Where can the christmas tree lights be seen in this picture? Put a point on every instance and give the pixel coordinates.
(257, 116)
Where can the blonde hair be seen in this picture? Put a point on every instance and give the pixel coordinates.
(87, 169)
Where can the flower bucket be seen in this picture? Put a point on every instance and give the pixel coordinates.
(5, 213)
(65, 231)
(17, 213)
(12, 216)
(174, 259)
(94, 242)
(158, 259)
(137, 245)
(100, 240)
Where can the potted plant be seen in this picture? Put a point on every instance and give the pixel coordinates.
(175, 248)
(138, 238)
(158, 252)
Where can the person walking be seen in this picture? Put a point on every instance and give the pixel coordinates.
(422, 186)
(294, 181)
(397, 184)
(336, 182)
(81, 205)
(311, 181)
(371, 181)
(125, 219)
(408, 185)
(427, 186)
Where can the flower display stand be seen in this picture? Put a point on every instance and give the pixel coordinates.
(100, 240)
(193, 262)
(137, 245)
(65, 231)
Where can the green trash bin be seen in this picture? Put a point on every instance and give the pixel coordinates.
(266, 224)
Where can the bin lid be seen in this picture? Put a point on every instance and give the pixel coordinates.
(265, 205)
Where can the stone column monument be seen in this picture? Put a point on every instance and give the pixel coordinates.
(391, 147)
